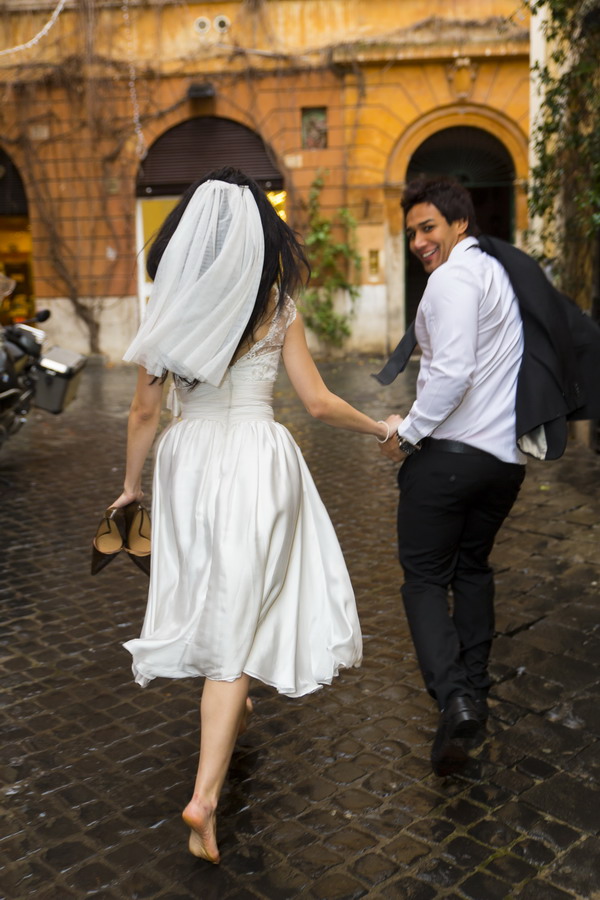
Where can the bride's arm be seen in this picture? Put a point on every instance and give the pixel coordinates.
(319, 401)
(144, 415)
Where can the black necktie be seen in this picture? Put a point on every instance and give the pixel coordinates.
(399, 358)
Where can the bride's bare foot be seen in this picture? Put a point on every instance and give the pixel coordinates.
(247, 714)
(202, 822)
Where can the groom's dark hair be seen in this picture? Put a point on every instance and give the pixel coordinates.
(448, 195)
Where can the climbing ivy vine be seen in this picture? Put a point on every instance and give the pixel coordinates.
(335, 267)
(565, 188)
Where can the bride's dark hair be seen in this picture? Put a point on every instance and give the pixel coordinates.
(285, 264)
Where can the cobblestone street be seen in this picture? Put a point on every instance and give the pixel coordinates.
(329, 797)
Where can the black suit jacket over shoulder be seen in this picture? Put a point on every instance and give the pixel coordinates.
(559, 378)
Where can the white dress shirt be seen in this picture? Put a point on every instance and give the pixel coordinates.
(470, 333)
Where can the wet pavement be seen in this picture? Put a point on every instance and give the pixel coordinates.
(331, 796)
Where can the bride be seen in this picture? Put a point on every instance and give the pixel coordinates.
(247, 577)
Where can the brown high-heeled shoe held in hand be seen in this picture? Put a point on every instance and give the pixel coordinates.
(109, 539)
(138, 532)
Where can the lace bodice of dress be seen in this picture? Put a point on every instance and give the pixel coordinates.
(247, 387)
(261, 362)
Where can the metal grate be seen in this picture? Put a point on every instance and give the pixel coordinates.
(188, 151)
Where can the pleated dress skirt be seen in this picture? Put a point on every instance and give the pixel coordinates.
(247, 573)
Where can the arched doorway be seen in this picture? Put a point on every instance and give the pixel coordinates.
(481, 162)
(15, 243)
(185, 153)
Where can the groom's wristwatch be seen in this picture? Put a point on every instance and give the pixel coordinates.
(406, 446)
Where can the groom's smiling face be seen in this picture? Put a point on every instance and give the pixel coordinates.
(430, 237)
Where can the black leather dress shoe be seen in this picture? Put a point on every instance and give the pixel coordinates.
(482, 709)
(458, 720)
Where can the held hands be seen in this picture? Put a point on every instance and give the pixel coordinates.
(390, 448)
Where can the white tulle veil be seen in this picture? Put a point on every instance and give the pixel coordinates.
(205, 286)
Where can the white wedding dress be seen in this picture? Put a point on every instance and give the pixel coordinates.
(247, 572)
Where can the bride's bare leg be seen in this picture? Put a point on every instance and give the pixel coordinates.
(246, 716)
(222, 711)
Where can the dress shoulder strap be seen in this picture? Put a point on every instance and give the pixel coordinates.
(288, 311)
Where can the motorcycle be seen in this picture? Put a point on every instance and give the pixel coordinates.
(28, 375)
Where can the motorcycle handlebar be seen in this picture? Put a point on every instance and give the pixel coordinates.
(42, 316)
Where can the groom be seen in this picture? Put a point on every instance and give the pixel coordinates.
(461, 466)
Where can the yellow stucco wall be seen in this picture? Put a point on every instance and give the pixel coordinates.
(391, 73)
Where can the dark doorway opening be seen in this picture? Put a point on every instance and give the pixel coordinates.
(15, 243)
(483, 164)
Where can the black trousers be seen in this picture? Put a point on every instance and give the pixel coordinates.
(451, 507)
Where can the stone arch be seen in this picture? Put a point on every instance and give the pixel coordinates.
(503, 128)
(406, 284)
(496, 123)
(15, 242)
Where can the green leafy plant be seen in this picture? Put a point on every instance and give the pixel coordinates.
(335, 266)
(565, 188)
